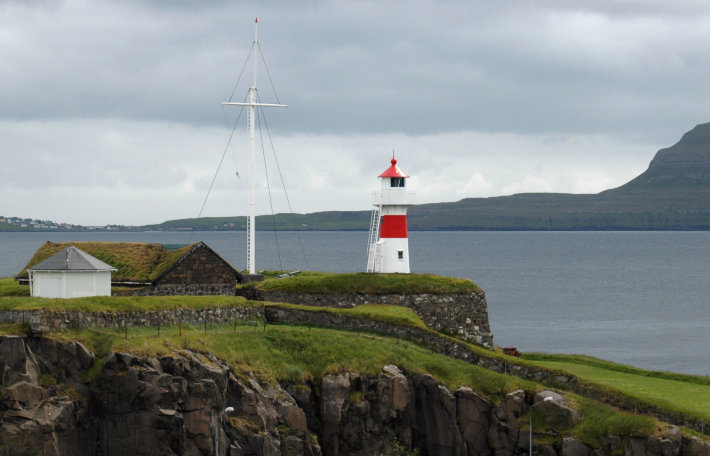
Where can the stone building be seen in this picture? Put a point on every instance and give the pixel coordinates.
(154, 269)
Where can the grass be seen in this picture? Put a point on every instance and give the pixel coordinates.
(600, 419)
(122, 303)
(9, 287)
(295, 353)
(609, 365)
(351, 283)
(685, 393)
(396, 315)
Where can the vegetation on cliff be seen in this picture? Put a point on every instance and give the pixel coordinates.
(296, 354)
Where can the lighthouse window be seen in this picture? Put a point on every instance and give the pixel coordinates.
(396, 182)
(400, 254)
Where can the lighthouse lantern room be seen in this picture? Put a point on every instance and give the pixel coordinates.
(388, 247)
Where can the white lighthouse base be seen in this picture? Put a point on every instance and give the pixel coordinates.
(392, 255)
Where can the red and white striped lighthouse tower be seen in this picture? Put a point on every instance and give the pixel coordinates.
(388, 249)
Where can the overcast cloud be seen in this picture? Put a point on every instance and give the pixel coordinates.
(110, 111)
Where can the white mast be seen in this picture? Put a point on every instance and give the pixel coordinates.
(252, 104)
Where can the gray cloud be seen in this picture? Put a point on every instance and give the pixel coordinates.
(123, 98)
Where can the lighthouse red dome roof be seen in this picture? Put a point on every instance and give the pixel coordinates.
(393, 170)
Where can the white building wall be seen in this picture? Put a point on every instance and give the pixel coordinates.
(389, 256)
(71, 284)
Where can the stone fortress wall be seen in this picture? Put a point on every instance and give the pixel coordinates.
(463, 315)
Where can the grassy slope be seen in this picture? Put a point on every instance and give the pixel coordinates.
(686, 393)
(296, 354)
(324, 282)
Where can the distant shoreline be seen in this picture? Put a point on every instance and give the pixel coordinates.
(614, 229)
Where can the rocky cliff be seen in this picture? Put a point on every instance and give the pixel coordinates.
(57, 399)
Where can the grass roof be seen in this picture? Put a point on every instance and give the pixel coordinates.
(134, 261)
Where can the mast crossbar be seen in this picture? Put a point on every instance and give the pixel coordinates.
(268, 105)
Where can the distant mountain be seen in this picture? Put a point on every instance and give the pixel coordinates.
(672, 194)
(681, 169)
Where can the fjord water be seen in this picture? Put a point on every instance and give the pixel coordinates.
(639, 298)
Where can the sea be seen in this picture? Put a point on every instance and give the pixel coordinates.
(637, 298)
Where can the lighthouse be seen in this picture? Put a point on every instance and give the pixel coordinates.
(388, 247)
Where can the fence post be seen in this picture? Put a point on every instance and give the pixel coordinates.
(180, 326)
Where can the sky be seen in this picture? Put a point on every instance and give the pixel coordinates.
(110, 111)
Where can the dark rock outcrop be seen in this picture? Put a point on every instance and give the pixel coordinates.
(57, 401)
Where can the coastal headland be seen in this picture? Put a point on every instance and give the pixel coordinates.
(339, 373)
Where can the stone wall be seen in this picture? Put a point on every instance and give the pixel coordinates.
(464, 315)
(181, 290)
(42, 321)
(201, 265)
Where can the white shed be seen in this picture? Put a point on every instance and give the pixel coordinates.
(71, 273)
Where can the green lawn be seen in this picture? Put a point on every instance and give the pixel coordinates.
(686, 395)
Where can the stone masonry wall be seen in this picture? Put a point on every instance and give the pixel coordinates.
(41, 321)
(464, 315)
(201, 266)
(182, 290)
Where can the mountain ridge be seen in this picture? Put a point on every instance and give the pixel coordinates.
(672, 194)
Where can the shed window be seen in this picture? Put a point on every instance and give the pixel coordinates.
(396, 182)
(400, 254)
